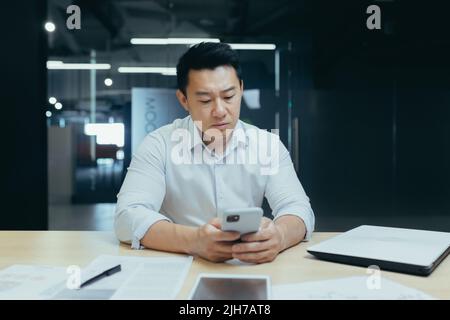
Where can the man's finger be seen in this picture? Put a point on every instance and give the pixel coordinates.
(261, 235)
(253, 257)
(251, 247)
(226, 236)
(224, 247)
(216, 222)
(219, 235)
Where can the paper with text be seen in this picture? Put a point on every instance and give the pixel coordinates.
(351, 288)
(31, 282)
(140, 278)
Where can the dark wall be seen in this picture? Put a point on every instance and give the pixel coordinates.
(423, 143)
(23, 100)
(374, 112)
(346, 147)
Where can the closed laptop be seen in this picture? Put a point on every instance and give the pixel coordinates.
(396, 249)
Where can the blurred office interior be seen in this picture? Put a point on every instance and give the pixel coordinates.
(364, 113)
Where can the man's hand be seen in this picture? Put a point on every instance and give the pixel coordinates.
(262, 246)
(212, 243)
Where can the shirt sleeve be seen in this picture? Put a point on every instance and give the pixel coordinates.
(142, 192)
(285, 193)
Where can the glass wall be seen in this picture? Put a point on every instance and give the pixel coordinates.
(364, 112)
(113, 80)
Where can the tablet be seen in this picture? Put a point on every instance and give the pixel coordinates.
(231, 287)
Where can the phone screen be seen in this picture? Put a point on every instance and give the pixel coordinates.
(231, 289)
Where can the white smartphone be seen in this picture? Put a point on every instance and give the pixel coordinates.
(243, 220)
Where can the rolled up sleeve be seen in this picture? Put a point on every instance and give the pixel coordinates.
(286, 195)
(142, 192)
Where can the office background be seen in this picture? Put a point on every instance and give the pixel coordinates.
(364, 113)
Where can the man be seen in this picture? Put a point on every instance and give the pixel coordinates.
(170, 201)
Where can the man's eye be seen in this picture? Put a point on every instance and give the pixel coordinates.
(206, 101)
(228, 98)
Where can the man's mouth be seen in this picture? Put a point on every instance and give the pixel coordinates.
(221, 125)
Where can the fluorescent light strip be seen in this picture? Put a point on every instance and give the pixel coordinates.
(169, 73)
(253, 46)
(162, 70)
(59, 65)
(166, 41)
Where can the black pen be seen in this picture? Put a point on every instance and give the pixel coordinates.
(105, 273)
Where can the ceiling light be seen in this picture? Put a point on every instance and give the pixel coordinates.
(166, 41)
(108, 82)
(59, 65)
(161, 70)
(50, 26)
(252, 46)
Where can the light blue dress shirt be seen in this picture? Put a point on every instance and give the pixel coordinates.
(167, 180)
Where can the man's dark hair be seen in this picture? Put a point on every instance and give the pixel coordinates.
(206, 55)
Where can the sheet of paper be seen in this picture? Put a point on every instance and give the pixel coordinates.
(351, 288)
(31, 282)
(140, 278)
(161, 278)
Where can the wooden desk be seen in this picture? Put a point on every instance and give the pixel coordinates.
(64, 248)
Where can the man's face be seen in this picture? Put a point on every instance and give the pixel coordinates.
(214, 98)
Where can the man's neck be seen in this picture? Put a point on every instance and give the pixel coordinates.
(218, 146)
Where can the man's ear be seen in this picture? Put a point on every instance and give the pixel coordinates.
(242, 85)
(182, 99)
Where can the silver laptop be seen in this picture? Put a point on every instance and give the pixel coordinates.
(403, 250)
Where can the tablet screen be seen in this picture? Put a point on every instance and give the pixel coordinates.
(230, 288)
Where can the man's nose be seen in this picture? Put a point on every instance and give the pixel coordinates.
(219, 109)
